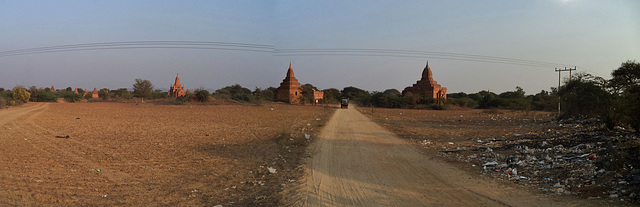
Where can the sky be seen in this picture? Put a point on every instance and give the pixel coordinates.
(467, 43)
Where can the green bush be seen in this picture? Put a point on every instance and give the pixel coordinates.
(202, 95)
(70, 97)
(47, 96)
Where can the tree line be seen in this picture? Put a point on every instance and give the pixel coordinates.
(616, 101)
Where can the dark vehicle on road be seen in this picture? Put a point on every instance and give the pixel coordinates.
(344, 103)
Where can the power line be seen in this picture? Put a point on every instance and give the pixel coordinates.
(262, 48)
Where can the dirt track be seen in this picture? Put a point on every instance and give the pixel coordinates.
(355, 162)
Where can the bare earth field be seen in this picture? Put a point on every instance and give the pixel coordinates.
(151, 155)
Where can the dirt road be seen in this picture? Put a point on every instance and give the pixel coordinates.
(355, 162)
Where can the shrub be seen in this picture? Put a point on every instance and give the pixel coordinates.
(20, 95)
(70, 97)
(47, 96)
(202, 95)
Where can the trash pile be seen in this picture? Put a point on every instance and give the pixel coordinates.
(571, 157)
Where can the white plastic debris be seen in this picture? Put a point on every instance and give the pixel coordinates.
(307, 136)
(490, 163)
(271, 170)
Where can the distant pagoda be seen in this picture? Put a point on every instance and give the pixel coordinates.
(177, 90)
(94, 94)
(427, 87)
(289, 90)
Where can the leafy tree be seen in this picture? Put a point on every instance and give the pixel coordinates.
(202, 95)
(331, 95)
(390, 98)
(159, 94)
(222, 94)
(69, 96)
(235, 92)
(544, 101)
(122, 93)
(268, 94)
(357, 95)
(584, 96)
(69, 89)
(20, 95)
(625, 84)
(103, 93)
(625, 77)
(143, 88)
(307, 93)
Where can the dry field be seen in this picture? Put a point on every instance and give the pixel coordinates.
(460, 127)
(151, 155)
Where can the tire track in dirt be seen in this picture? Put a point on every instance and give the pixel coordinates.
(355, 162)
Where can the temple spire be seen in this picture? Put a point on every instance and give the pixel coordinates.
(426, 73)
(290, 71)
(177, 79)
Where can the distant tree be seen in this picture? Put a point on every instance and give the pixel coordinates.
(357, 95)
(159, 94)
(457, 95)
(544, 101)
(121, 93)
(267, 94)
(202, 95)
(143, 88)
(331, 95)
(625, 83)
(582, 95)
(69, 96)
(390, 98)
(222, 94)
(392, 92)
(103, 93)
(2, 90)
(20, 95)
(68, 89)
(80, 91)
(235, 92)
(307, 93)
(625, 77)
(35, 91)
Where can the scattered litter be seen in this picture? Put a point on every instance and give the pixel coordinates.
(65, 137)
(490, 163)
(271, 170)
(307, 136)
(567, 157)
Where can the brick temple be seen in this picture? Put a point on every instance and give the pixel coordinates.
(94, 94)
(289, 90)
(427, 87)
(177, 90)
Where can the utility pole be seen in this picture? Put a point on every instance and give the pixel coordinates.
(559, 72)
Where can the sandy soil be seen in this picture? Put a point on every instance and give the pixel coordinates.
(151, 155)
(356, 162)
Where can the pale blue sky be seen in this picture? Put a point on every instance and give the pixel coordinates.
(594, 35)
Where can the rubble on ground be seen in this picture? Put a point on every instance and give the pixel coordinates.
(570, 157)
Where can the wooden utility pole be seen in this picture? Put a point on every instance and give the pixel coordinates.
(559, 77)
